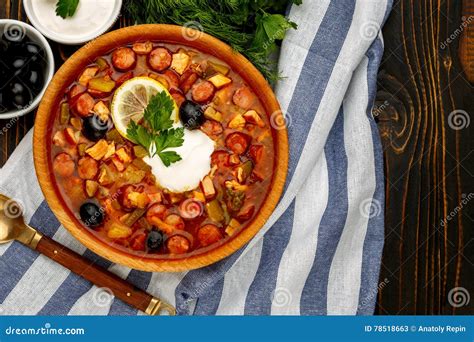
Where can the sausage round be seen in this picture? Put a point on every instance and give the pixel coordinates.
(175, 220)
(142, 48)
(124, 58)
(209, 234)
(177, 97)
(83, 104)
(63, 165)
(237, 142)
(172, 77)
(156, 210)
(220, 158)
(178, 244)
(159, 59)
(203, 92)
(87, 168)
(187, 80)
(243, 97)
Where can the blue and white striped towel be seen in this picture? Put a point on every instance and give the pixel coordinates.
(320, 251)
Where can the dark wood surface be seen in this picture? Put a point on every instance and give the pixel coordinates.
(429, 166)
(425, 104)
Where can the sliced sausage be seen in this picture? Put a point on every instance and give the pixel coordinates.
(178, 244)
(138, 242)
(97, 93)
(177, 97)
(156, 210)
(124, 58)
(82, 104)
(159, 59)
(64, 165)
(187, 80)
(237, 142)
(87, 168)
(203, 92)
(172, 77)
(142, 48)
(123, 78)
(211, 127)
(220, 158)
(256, 153)
(246, 213)
(175, 220)
(209, 234)
(243, 97)
(75, 90)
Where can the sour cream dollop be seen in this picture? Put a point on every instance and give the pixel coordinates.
(195, 163)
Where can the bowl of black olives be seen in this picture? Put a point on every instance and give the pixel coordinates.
(26, 68)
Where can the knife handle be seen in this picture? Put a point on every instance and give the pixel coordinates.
(102, 278)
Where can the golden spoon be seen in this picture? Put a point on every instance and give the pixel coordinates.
(13, 227)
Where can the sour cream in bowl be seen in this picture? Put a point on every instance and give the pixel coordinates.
(91, 19)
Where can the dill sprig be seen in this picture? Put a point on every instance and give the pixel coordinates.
(251, 27)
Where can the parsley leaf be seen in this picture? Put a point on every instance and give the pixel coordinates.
(66, 8)
(139, 134)
(169, 157)
(170, 138)
(157, 134)
(158, 112)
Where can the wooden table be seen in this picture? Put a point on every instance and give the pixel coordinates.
(429, 162)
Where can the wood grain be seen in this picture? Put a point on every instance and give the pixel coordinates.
(424, 106)
(427, 171)
(67, 74)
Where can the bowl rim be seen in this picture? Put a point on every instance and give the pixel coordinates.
(166, 34)
(49, 71)
(69, 41)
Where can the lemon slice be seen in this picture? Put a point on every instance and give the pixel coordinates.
(131, 99)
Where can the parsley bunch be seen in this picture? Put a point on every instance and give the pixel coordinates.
(156, 134)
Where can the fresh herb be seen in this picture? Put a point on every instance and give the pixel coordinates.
(157, 134)
(66, 8)
(251, 27)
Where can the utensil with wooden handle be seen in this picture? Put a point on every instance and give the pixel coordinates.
(13, 227)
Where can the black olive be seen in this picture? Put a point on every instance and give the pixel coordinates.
(91, 214)
(20, 95)
(191, 115)
(154, 240)
(33, 78)
(94, 128)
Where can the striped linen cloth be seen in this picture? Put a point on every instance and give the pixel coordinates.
(320, 251)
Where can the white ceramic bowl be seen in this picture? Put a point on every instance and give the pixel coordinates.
(15, 27)
(89, 20)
